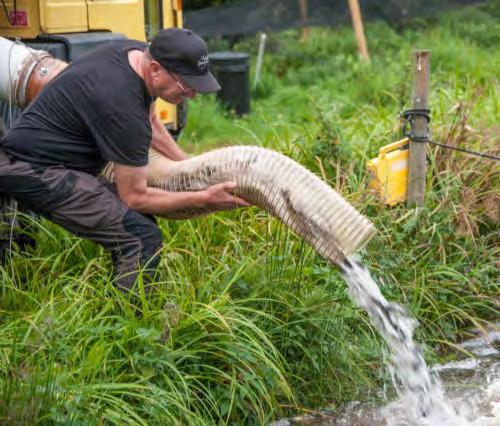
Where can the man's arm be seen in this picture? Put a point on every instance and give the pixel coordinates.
(131, 183)
(162, 141)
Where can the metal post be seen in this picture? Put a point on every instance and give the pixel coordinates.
(260, 56)
(419, 133)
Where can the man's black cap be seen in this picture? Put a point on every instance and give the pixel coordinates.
(184, 53)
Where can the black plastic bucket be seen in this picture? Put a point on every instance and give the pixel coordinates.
(232, 72)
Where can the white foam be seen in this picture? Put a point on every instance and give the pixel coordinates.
(466, 364)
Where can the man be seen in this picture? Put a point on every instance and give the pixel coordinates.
(100, 109)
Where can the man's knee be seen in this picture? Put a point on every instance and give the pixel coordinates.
(147, 233)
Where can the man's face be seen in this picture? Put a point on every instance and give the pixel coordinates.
(169, 86)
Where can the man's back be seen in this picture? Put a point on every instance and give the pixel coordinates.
(96, 110)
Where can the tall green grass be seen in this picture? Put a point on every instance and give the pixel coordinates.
(248, 323)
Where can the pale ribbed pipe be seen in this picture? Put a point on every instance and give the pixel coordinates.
(274, 183)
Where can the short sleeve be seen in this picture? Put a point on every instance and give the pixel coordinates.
(123, 138)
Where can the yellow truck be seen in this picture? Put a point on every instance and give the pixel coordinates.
(70, 28)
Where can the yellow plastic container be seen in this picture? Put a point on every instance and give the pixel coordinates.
(388, 173)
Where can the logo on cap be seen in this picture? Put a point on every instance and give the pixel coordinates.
(203, 63)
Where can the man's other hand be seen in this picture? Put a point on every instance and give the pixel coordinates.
(131, 183)
(220, 197)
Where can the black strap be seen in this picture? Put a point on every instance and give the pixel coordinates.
(417, 112)
(408, 116)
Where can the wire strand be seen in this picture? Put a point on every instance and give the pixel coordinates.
(455, 148)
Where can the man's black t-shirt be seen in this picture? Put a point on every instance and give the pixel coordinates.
(94, 111)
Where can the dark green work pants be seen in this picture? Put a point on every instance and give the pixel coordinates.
(89, 207)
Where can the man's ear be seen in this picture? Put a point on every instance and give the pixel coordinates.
(155, 68)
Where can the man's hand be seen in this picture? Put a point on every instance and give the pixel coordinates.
(219, 197)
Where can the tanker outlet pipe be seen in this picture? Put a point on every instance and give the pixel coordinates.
(24, 71)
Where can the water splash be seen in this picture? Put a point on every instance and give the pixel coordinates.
(421, 400)
(472, 394)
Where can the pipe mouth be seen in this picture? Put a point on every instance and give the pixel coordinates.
(345, 265)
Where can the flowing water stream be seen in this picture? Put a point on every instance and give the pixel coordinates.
(422, 400)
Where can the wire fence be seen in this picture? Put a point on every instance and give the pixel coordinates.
(247, 17)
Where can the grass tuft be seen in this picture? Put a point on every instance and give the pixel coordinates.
(247, 323)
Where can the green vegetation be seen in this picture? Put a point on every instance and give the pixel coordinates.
(248, 323)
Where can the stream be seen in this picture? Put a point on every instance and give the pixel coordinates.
(460, 393)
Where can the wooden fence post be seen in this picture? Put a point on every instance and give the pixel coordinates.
(419, 131)
(304, 19)
(357, 24)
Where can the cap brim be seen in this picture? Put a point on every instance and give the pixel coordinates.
(205, 83)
